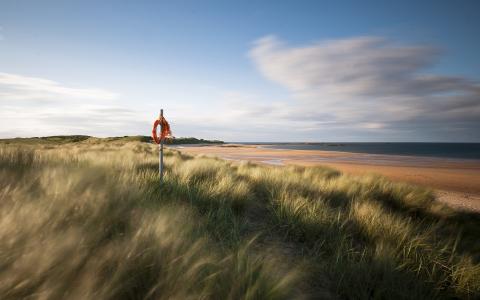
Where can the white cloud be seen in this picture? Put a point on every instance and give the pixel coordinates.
(363, 88)
(370, 83)
(32, 106)
(22, 87)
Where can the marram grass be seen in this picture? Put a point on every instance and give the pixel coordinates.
(89, 220)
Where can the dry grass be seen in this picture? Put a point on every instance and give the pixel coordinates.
(88, 220)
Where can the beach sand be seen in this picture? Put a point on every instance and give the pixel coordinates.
(456, 182)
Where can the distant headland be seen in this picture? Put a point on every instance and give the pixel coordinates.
(64, 139)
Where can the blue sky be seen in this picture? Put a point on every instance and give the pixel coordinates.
(241, 70)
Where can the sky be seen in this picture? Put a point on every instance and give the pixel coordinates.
(242, 71)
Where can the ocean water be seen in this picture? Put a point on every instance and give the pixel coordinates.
(445, 150)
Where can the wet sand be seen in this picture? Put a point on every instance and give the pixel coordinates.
(456, 182)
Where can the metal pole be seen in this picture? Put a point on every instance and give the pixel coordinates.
(161, 148)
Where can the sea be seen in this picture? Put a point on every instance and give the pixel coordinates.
(439, 150)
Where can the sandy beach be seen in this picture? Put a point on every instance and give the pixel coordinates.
(455, 181)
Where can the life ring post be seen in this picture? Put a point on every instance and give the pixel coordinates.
(160, 148)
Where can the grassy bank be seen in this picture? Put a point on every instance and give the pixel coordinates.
(67, 139)
(89, 220)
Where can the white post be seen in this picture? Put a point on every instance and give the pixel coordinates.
(160, 154)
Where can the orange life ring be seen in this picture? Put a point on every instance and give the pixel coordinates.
(156, 139)
(164, 130)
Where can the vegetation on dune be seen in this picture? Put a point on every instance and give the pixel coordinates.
(65, 139)
(57, 139)
(191, 140)
(89, 220)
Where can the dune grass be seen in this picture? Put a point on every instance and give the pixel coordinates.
(88, 220)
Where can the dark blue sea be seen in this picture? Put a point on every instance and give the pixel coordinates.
(445, 150)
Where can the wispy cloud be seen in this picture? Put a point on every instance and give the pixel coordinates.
(373, 84)
(18, 87)
(32, 106)
(363, 88)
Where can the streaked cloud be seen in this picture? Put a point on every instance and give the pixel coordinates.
(32, 106)
(357, 89)
(18, 87)
(371, 83)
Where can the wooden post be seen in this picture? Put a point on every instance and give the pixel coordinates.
(160, 158)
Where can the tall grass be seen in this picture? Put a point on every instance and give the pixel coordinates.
(80, 222)
(89, 220)
(374, 238)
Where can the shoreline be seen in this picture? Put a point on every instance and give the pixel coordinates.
(455, 181)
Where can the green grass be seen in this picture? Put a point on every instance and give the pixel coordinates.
(66, 139)
(89, 220)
